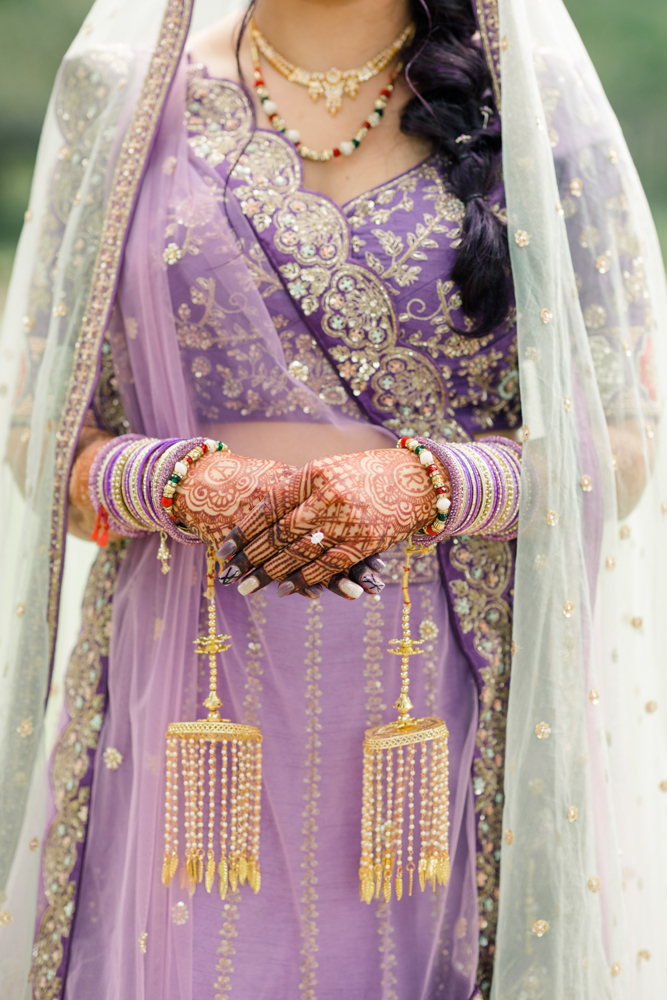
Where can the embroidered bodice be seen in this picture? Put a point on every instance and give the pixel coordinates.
(361, 295)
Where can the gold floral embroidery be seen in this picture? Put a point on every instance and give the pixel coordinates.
(71, 763)
(482, 609)
(307, 362)
(309, 929)
(356, 301)
(399, 249)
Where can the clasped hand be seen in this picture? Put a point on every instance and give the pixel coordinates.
(321, 525)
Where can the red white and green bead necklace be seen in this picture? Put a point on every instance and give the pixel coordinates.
(345, 148)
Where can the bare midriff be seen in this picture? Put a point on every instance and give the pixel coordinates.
(297, 443)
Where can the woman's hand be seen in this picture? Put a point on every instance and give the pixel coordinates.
(327, 517)
(220, 489)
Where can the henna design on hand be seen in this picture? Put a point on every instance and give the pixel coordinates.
(221, 488)
(362, 504)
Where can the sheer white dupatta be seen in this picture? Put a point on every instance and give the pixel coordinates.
(584, 872)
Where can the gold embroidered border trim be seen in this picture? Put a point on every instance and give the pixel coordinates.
(309, 928)
(70, 775)
(482, 609)
(129, 169)
(489, 29)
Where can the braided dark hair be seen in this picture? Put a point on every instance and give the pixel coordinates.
(448, 73)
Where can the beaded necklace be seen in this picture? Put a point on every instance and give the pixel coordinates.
(345, 148)
(333, 84)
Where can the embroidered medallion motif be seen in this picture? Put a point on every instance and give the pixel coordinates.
(71, 775)
(349, 271)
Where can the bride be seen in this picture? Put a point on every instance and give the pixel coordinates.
(303, 288)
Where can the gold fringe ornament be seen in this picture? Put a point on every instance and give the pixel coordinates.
(389, 789)
(235, 798)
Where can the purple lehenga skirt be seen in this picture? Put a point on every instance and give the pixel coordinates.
(314, 675)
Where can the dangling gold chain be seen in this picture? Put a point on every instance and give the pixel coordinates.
(333, 84)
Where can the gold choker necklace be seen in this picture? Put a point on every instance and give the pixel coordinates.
(333, 84)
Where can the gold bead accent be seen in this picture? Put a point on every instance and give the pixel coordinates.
(568, 608)
(25, 728)
(540, 928)
(142, 942)
(594, 883)
(663, 786)
(521, 238)
(34, 844)
(624, 533)
(20, 610)
(543, 730)
(576, 187)
(610, 562)
(509, 837)
(546, 315)
(651, 707)
(594, 696)
(552, 518)
(526, 432)
(644, 954)
(616, 969)
(572, 814)
(568, 404)
(5, 918)
(586, 484)
(602, 263)
(637, 622)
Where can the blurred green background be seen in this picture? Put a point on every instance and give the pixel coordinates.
(627, 41)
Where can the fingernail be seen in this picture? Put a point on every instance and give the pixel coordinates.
(227, 549)
(372, 583)
(376, 563)
(312, 592)
(350, 588)
(229, 574)
(285, 588)
(248, 586)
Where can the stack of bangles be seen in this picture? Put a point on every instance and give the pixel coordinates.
(485, 479)
(132, 484)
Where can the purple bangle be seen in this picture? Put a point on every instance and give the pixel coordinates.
(490, 472)
(158, 484)
(98, 461)
(145, 478)
(126, 479)
(500, 484)
(475, 491)
(468, 491)
(120, 520)
(509, 453)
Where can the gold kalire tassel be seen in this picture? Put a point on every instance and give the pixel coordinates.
(390, 760)
(235, 798)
